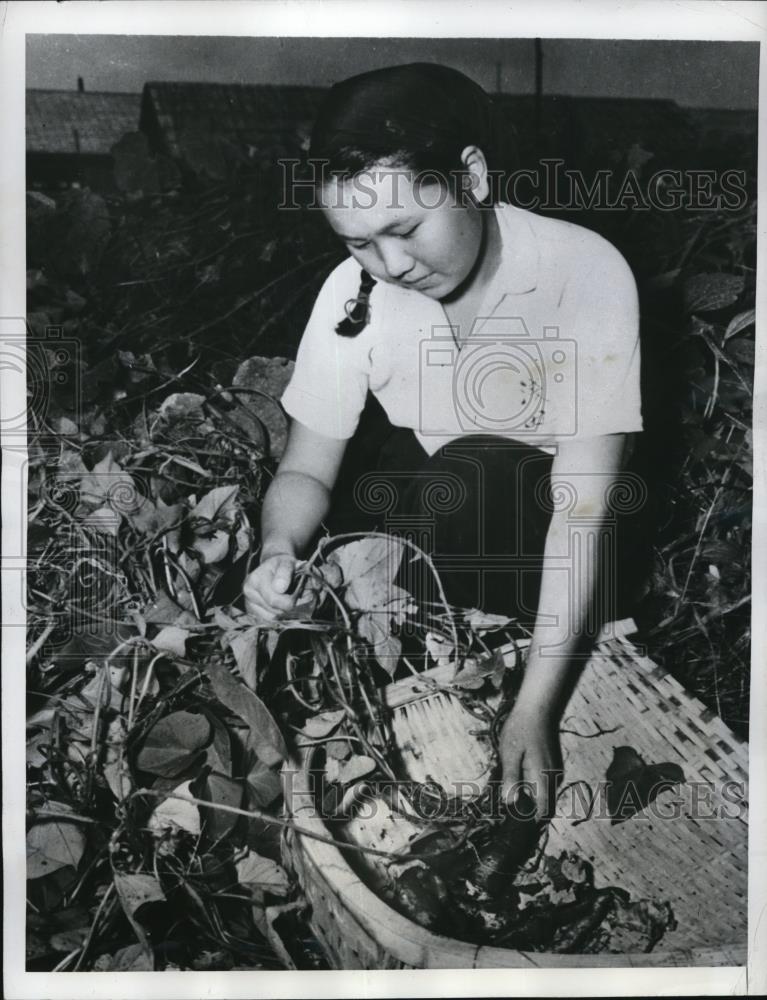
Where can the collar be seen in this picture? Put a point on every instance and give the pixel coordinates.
(520, 254)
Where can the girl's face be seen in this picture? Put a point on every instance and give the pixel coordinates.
(416, 235)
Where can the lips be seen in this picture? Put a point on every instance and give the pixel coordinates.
(418, 281)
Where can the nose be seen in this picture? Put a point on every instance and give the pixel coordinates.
(396, 260)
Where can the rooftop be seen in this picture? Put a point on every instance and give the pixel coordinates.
(75, 121)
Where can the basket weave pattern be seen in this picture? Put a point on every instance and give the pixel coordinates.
(697, 864)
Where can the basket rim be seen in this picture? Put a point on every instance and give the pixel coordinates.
(415, 945)
(403, 937)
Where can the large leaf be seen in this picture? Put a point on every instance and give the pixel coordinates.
(219, 755)
(375, 626)
(217, 506)
(133, 891)
(224, 791)
(264, 785)
(324, 723)
(257, 872)
(369, 567)
(264, 734)
(740, 322)
(632, 784)
(54, 844)
(108, 483)
(708, 292)
(244, 646)
(358, 766)
(173, 743)
(172, 639)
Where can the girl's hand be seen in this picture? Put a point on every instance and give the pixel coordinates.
(267, 589)
(530, 753)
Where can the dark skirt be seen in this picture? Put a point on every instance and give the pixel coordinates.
(480, 507)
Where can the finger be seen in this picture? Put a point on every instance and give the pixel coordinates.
(279, 602)
(283, 575)
(260, 612)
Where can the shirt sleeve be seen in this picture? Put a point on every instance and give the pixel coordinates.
(606, 334)
(329, 384)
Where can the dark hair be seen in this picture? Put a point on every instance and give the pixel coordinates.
(419, 117)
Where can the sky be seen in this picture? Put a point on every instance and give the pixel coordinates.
(694, 73)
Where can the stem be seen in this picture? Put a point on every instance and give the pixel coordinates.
(34, 649)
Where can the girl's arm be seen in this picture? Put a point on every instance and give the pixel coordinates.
(297, 500)
(529, 739)
(299, 495)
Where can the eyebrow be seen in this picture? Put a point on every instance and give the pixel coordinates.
(381, 232)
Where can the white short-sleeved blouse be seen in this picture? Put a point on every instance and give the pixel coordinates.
(553, 356)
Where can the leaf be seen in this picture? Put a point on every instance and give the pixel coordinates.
(104, 520)
(323, 724)
(70, 939)
(116, 771)
(173, 743)
(182, 406)
(244, 646)
(107, 482)
(375, 626)
(172, 639)
(133, 891)
(480, 620)
(264, 736)
(369, 567)
(134, 958)
(738, 323)
(219, 757)
(263, 784)
(633, 784)
(151, 518)
(708, 292)
(743, 350)
(338, 749)
(257, 872)
(175, 813)
(473, 673)
(356, 767)
(224, 791)
(218, 503)
(439, 649)
(227, 623)
(54, 844)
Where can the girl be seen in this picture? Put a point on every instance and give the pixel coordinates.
(503, 347)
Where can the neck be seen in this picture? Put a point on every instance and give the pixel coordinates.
(488, 259)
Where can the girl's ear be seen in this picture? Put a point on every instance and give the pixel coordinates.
(476, 176)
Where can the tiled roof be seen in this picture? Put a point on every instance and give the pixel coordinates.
(244, 113)
(71, 121)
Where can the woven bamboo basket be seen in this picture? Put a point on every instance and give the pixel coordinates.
(693, 855)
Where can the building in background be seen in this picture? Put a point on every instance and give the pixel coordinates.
(70, 134)
(149, 141)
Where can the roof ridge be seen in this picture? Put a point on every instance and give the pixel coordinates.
(84, 93)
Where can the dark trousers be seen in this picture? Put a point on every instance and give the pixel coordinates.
(480, 507)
